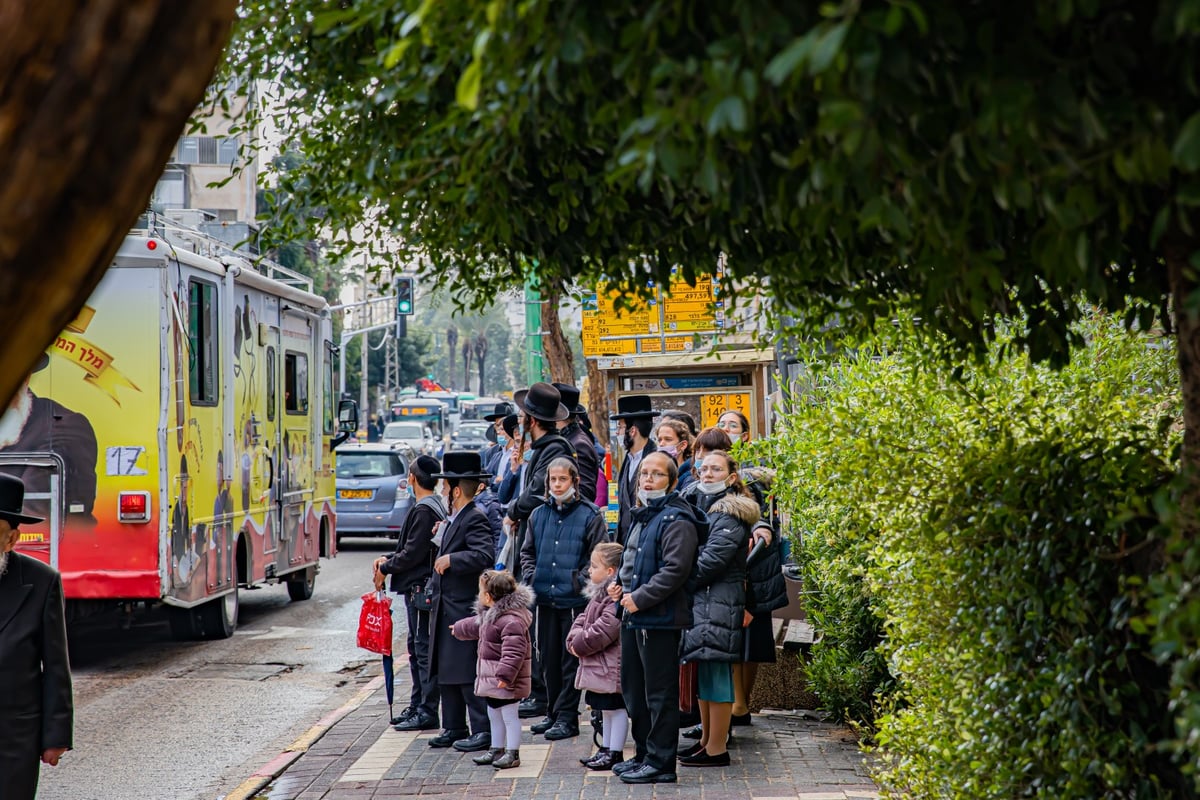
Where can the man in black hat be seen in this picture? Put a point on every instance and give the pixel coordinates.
(585, 451)
(634, 420)
(411, 568)
(491, 455)
(543, 408)
(465, 549)
(36, 709)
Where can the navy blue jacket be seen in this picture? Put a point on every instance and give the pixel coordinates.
(664, 563)
(557, 549)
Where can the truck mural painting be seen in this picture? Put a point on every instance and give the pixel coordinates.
(177, 436)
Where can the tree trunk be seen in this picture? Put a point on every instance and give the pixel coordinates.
(95, 96)
(554, 343)
(597, 401)
(1183, 285)
(466, 354)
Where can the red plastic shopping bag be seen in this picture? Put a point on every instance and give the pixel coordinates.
(375, 623)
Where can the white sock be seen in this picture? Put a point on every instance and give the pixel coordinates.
(616, 727)
(512, 724)
(495, 717)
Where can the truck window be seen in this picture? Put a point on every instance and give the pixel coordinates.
(327, 389)
(295, 383)
(202, 341)
(272, 379)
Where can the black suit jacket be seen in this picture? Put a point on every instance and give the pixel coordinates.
(35, 707)
(52, 427)
(468, 543)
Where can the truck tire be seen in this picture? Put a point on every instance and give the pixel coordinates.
(300, 584)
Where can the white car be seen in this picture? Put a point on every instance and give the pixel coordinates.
(414, 435)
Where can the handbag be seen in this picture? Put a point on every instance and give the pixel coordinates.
(421, 597)
(375, 623)
(689, 685)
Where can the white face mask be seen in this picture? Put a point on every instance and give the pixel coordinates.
(565, 497)
(714, 487)
(670, 449)
(648, 495)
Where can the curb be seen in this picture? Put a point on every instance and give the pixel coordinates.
(275, 767)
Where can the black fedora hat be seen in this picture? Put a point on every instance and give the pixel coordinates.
(633, 406)
(503, 409)
(12, 498)
(543, 402)
(510, 425)
(462, 464)
(570, 397)
(519, 397)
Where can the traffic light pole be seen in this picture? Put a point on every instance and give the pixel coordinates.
(350, 333)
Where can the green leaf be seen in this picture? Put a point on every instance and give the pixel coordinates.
(1186, 152)
(466, 93)
(791, 58)
(828, 47)
(730, 113)
(395, 53)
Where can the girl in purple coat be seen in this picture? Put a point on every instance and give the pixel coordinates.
(503, 672)
(595, 639)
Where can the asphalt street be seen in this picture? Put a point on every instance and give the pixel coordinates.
(157, 719)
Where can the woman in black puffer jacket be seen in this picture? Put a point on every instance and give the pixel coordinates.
(714, 641)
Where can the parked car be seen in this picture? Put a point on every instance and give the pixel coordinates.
(372, 490)
(470, 436)
(413, 435)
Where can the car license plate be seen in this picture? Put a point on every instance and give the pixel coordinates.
(354, 494)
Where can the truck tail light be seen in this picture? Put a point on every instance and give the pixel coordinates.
(133, 507)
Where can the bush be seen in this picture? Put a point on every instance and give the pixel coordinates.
(990, 531)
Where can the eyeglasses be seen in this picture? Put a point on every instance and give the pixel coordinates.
(655, 475)
(706, 470)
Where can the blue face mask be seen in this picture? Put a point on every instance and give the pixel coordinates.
(528, 456)
(411, 492)
(501, 440)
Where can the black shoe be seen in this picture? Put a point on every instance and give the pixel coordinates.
(419, 721)
(692, 733)
(538, 728)
(562, 730)
(529, 708)
(471, 744)
(740, 719)
(589, 759)
(647, 774)
(627, 766)
(446, 738)
(608, 760)
(703, 759)
(691, 751)
(403, 715)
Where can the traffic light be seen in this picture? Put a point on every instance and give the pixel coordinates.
(404, 296)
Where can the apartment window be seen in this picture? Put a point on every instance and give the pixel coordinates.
(295, 383)
(208, 150)
(189, 150)
(170, 191)
(203, 367)
(227, 151)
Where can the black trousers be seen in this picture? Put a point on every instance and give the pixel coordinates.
(558, 666)
(650, 686)
(458, 702)
(424, 694)
(537, 689)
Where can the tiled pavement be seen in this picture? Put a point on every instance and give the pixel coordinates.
(782, 755)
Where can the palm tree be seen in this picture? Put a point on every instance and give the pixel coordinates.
(466, 354)
(452, 343)
(481, 348)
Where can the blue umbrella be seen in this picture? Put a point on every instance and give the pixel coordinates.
(389, 683)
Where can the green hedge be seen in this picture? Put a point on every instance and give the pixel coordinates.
(977, 549)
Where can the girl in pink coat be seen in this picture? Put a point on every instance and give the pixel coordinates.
(595, 639)
(503, 672)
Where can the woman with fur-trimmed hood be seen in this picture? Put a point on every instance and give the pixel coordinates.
(719, 608)
(503, 671)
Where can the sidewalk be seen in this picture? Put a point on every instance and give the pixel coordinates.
(782, 755)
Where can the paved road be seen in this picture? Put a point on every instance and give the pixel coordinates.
(162, 720)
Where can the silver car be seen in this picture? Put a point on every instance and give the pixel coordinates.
(470, 436)
(372, 490)
(413, 435)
